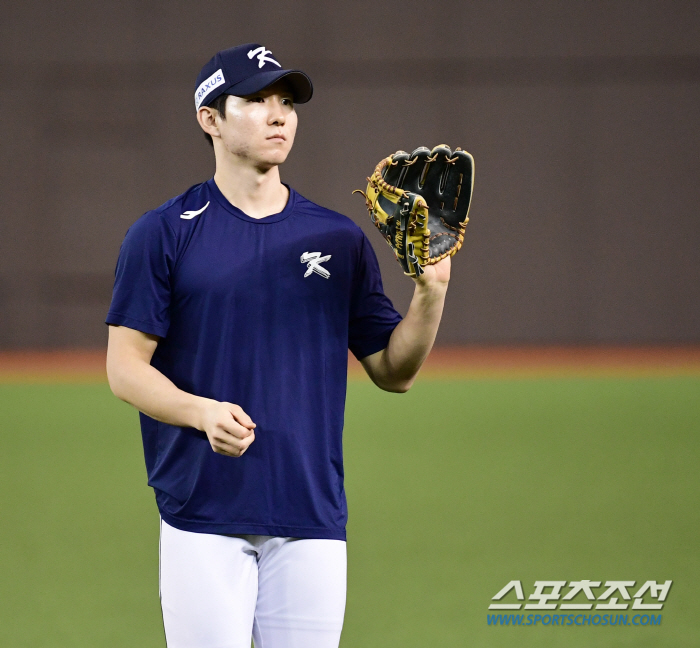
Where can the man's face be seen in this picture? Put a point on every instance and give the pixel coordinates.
(260, 128)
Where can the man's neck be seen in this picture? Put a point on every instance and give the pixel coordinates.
(256, 193)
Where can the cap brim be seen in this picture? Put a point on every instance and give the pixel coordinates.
(300, 83)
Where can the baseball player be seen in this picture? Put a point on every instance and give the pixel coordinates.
(234, 306)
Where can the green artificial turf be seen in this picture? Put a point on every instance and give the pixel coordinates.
(495, 480)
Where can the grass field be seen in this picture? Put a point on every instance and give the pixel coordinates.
(500, 479)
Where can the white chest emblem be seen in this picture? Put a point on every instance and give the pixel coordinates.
(313, 261)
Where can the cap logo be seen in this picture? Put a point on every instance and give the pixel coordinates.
(263, 57)
(213, 82)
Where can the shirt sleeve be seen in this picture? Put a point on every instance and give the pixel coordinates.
(141, 296)
(372, 315)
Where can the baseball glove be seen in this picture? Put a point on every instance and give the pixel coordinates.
(419, 202)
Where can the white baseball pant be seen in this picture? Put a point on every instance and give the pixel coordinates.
(217, 591)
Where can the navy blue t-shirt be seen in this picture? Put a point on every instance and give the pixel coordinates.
(261, 313)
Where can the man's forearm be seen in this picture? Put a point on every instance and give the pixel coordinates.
(133, 379)
(149, 391)
(413, 338)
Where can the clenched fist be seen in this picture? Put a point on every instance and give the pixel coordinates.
(228, 428)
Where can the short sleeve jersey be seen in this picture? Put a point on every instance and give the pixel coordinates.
(261, 313)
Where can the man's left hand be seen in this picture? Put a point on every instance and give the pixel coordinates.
(437, 274)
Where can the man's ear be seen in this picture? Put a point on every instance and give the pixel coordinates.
(208, 120)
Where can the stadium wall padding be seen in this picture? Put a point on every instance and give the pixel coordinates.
(582, 118)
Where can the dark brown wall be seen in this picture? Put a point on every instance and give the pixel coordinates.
(582, 118)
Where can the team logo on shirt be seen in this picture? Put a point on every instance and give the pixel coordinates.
(191, 214)
(313, 261)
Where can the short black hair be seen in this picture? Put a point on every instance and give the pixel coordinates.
(219, 104)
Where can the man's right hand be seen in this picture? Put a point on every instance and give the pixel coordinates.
(134, 380)
(228, 428)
